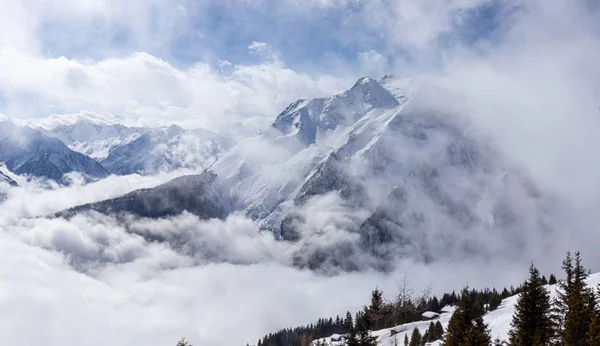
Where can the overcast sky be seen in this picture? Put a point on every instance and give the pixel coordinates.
(529, 68)
(221, 63)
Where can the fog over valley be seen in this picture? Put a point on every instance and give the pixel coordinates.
(223, 170)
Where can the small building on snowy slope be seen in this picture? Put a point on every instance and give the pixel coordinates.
(397, 329)
(430, 315)
(337, 338)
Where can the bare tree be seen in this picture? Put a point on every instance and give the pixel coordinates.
(405, 293)
(407, 305)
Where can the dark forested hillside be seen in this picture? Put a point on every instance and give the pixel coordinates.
(571, 318)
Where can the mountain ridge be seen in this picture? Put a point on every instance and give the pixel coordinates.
(30, 152)
(410, 176)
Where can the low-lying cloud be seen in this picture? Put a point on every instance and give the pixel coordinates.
(151, 294)
(96, 280)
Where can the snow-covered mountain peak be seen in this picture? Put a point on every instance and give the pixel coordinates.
(305, 119)
(372, 93)
(166, 148)
(28, 151)
(85, 130)
(93, 138)
(174, 130)
(401, 88)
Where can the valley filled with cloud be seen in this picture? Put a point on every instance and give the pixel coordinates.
(222, 169)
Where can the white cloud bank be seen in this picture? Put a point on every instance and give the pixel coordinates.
(143, 90)
(89, 282)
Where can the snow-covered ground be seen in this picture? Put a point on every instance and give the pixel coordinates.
(498, 321)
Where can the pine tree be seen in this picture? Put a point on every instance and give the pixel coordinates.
(532, 318)
(478, 307)
(183, 342)
(439, 331)
(352, 338)
(348, 322)
(406, 339)
(495, 300)
(590, 315)
(498, 342)
(415, 338)
(430, 333)
(574, 299)
(561, 302)
(478, 334)
(593, 335)
(460, 322)
(544, 281)
(374, 313)
(425, 337)
(552, 280)
(365, 339)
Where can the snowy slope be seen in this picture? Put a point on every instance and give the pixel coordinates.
(167, 149)
(28, 151)
(126, 150)
(498, 320)
(400, 151)
(96, 139)
(5, 184)
(266, 181)
(398, 163)
(4, 179)
(199, 194)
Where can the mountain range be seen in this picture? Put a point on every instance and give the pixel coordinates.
(97, 150)
(198, 194)
(389, 168)
(30, 152)
(95, 139)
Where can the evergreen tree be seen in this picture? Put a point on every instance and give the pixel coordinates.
(306, 340)
(466, 323)
(374, 313)
(430, 333)
(183, 342)
(552, 280)
(478, 308)
(360, 319)
(593, 335)
(498, 342)
(532, 318)
(560, 303)
(415, 338)
(406, 339)
(352, 338)
(495, 300)
(365, 339)
(434, 305)
(478, 334)
(544, 281)
(348, 322)
(573, 309)
(505, 294)
(439, 331)
(590, 315)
